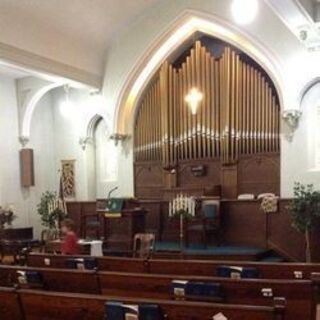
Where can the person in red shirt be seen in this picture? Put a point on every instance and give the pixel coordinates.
(69, 244)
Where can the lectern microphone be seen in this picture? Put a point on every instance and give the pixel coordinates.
(111, 191)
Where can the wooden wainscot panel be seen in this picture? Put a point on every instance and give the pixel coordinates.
(153, 220)
(244, 224)
(77, 210)
(210, 175)
(229, 181)
(148, 179)
(283, 237)
(259, 174)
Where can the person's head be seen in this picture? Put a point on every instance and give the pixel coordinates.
(67, 225)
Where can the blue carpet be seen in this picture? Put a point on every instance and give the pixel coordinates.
(210, 250)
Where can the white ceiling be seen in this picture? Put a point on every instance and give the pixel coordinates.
(12, 71)
(92, 21)
(79, 32)
(298, 16)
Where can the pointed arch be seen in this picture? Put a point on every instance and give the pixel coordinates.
(183, 28)
(307, 88)
(30, 105)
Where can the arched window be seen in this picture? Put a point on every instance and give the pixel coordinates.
(311, 112)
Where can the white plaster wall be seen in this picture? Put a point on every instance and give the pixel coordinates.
(109, 173)
(24, 200)
(94, 164)
(66, 141)
(55, 138)
(298, 156)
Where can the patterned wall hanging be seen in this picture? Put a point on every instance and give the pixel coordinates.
(68, 178)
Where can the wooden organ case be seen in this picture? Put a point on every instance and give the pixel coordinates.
(233, 138)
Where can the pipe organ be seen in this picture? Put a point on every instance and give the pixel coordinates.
(239, 113)
(233, 136)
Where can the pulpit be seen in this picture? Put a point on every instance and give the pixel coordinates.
(122, 219)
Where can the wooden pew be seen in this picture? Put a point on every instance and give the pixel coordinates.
(209, 268)
(39, 305)
(9, 305)
(104, 263)
(298, 293)
(63, 280)
(182, 267)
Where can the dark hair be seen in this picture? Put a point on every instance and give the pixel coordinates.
(68, 223)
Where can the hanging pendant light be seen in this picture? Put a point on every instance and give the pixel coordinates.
(193, 98)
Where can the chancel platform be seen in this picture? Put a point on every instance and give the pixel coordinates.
(244, 225)
(172, 250)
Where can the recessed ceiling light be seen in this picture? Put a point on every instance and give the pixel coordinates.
(244, 11)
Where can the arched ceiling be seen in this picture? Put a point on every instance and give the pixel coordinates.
(72, 32)
(70, 38)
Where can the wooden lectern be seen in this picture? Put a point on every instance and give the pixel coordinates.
(122, 219)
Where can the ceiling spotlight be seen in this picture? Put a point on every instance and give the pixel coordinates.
(244, 11)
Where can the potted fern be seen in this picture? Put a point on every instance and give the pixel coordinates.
(305, 212)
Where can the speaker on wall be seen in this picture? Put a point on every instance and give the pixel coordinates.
(27, 168)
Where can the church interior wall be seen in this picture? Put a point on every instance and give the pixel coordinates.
(299, 156)
(55, 138)
(24, 200)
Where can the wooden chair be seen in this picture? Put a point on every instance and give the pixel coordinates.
(143, 245)
(207, 223)
(91, 225)
(46, 237)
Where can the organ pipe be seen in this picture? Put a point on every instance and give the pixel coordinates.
(239, 113)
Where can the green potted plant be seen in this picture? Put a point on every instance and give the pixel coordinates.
(305, 212)
(51, 211)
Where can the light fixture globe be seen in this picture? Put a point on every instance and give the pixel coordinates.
(193, 99)
(244, 11)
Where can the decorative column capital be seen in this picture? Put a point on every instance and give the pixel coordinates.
(291, 117)
(84, 141)
(119, 137)
(24, 140)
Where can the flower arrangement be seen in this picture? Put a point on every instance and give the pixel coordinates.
(52, 210)
(182, 205)
(6, 217)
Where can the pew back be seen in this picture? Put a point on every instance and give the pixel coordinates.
(9, 305)
(181, 267)
(56, 306)
(298, 293)
(64, 280)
